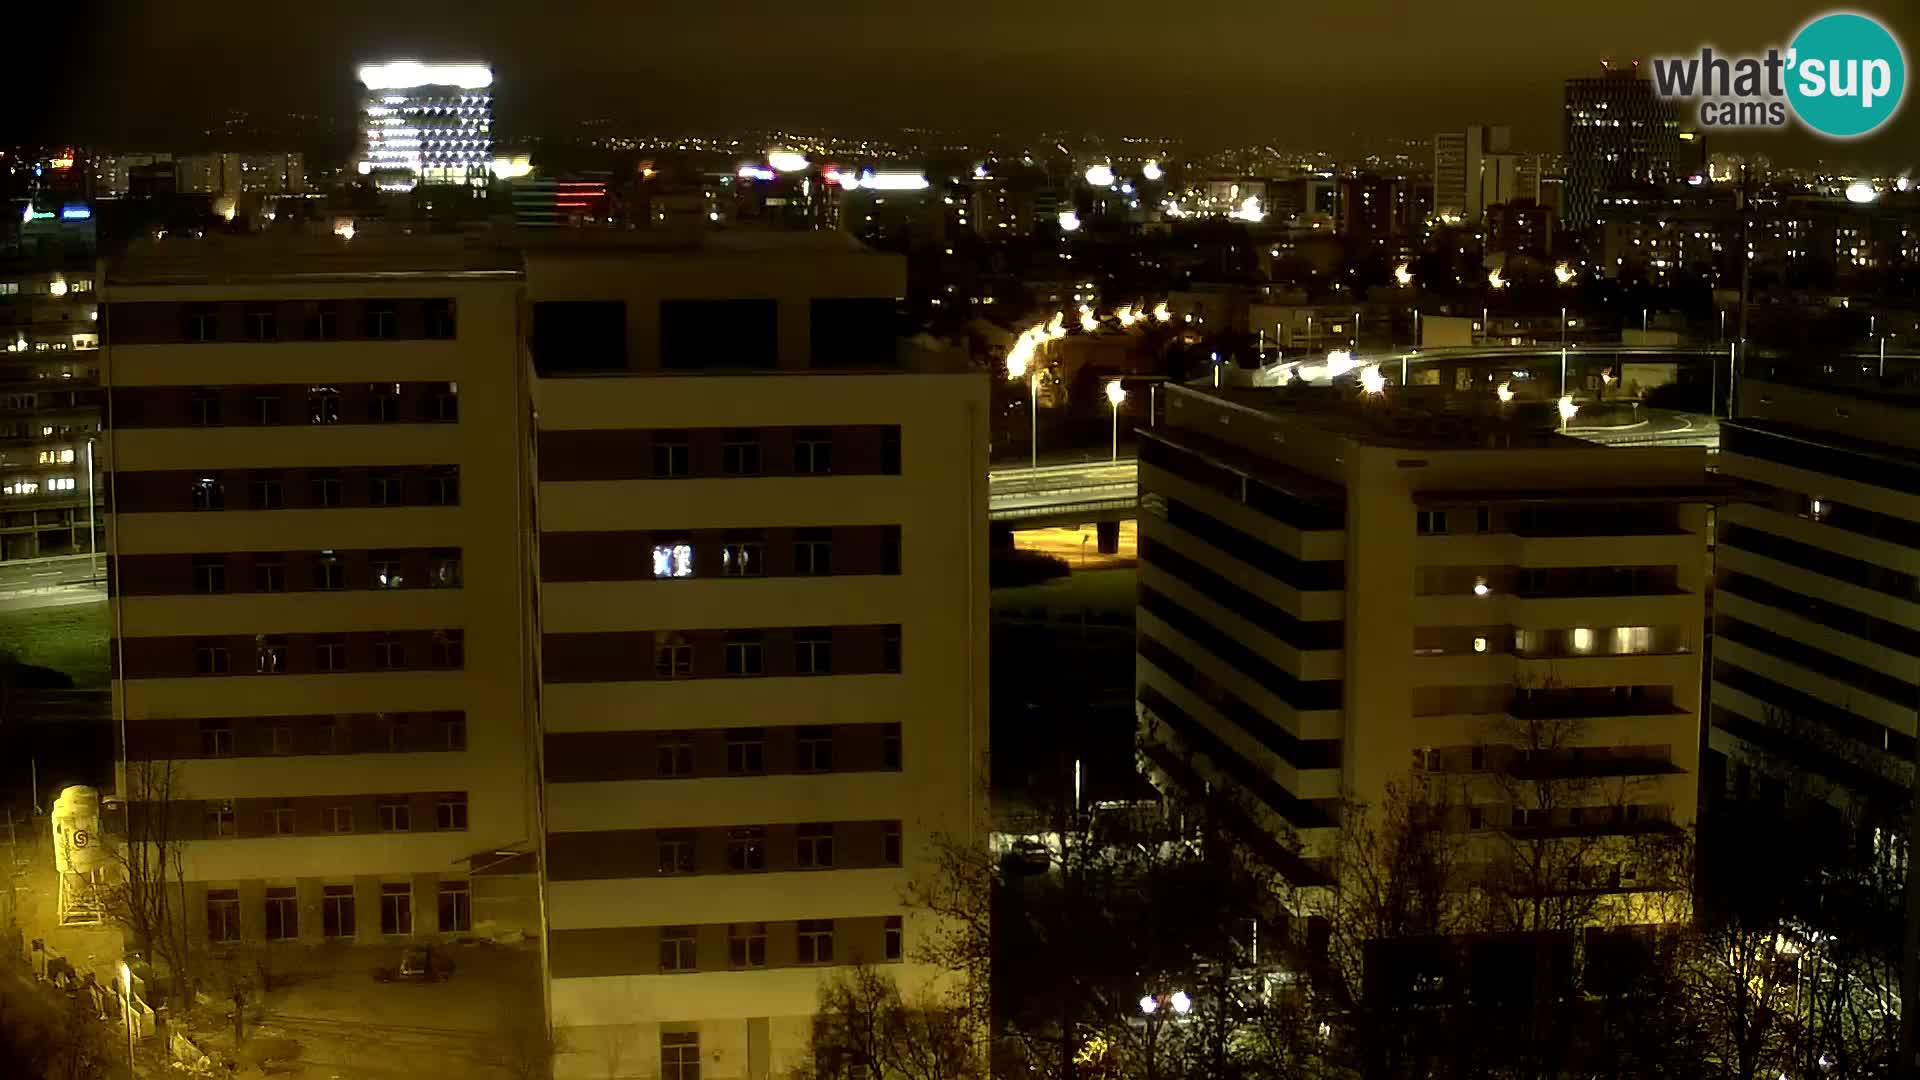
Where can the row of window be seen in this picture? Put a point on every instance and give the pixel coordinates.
(752, 653)
(390, 733)
(326, 570)
(1900, 691)
(392, 814)
(1895, 583)
(268, 406)
(377, 320)
(1256, 553)
(338, 915)
(591, 335)
(1302, 634)
(323, 489)
(747, 945)
(747, 849)
(750, 751)
(1257, 780)
(1815, 710)
(1267, 498)
(1820, 457)
(1834, 616)
(1584, 520)
(745, 555)
(1288, 747)
(284, 654)
(707, 453)
(1301, 694)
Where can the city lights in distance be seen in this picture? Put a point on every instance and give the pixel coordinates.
(1563, 274)
(1088, 324)
(1069, 221)
(1495, 280)
(1903, 184)
(787, 160)
(1861, 192)
(886, 181)
(1151, 171)
(754, 172)
(1160, 312)
(1100, 176)
(511, 168)
(1249, 210)
(405, 74)
(1403, 274)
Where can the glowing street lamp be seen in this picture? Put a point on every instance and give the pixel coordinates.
(1069, 221)
(1149, 1005)
(1151, 171)
(1100, 176)
(1567, 411)
(1371, 381)
(1023, 359)
(1504, 391)
(1115, 395)
(1160, 312)
(1181, 1003)
(1495, 280)
(1861, 192)
(1403, 274)
(1088, 324)
(1563, 274)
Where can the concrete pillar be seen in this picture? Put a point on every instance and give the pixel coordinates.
(1107, 537)
(426, 905)
(253, 911)
(999, 536)
(366, 910)
(308, 895)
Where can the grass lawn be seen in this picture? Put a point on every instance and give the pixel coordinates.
(72, 639)
(1092, 590)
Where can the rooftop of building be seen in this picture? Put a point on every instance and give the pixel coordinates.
(491, 252)
(1407, 417)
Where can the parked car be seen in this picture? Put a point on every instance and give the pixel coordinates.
(418, 963)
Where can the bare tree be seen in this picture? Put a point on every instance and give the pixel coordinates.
(147, 894)
(864, 1028)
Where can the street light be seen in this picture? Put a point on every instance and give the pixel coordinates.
(93, 550)
(1115, 395)
(126, 999)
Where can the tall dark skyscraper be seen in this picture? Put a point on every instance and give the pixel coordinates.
(1619, 133)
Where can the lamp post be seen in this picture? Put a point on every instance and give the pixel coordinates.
(1115, 395)
(93, 550)
(126, 1000)
(1155, 1008)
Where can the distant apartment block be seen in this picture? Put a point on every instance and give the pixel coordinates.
(49, 403)
(1339, 595)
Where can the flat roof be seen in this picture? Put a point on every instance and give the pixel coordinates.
(1406, 417)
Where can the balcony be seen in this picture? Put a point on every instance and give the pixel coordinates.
(1584, 763)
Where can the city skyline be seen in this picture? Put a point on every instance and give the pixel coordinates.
(1328, 79)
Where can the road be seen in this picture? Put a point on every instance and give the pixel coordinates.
(1015, 493)
(28, 584)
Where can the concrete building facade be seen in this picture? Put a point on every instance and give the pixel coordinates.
(49, 403)
(318, 610)
(1338, 594)
(763, 640)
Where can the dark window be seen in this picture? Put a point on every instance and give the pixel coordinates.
(443, 486)
(200, 324)
(323, 405)
(813, 452)
(456, 907)
(671, 455)
(676, 851)
(262, 324)
(324, 489)
(579, 335)
(388, 653)
(813, 651)
(223, 915)
(746, 751)
(323, 322)
(747, 945)
(267, 493)
(1430, 522)
(813, 552)
(814, 845)
(209, 494)
(210, 659)
(673, 754)
(672, 656)
(283, 915)
(890, 651)
(396, 908)
(395, 815)
(742, 558)
(747, 850)
(743, 653)
(852, 332)
(270, 654)
(719, 334)
(451, 812)
(890, 549)
(280, 741)
(216, 738)
(679, 1055)
(383, 403)
(330, 652)
(382, 321)
(449, 649)
(329, 572)
(890, 450)
(453, 732)
(740, 453)
(890, 844)
(443, 403)
(336, 910)
(890, 746)
(814, 749)
(677, 948)
(816, 941)
(339, 819)
(220, 820)
(206, 408)
(266, 409)
(209, 573)
(895, 931)
(1483, 519)
(386, 489)
(443, 569)
(439, 318)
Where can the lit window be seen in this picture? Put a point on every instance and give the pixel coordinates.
(1632, 640)
(1582, 640)
(672, 560)
(1479, 644)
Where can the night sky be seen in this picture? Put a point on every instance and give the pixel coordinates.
(1345, 74)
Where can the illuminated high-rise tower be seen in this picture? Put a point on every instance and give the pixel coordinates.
(427, 124)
